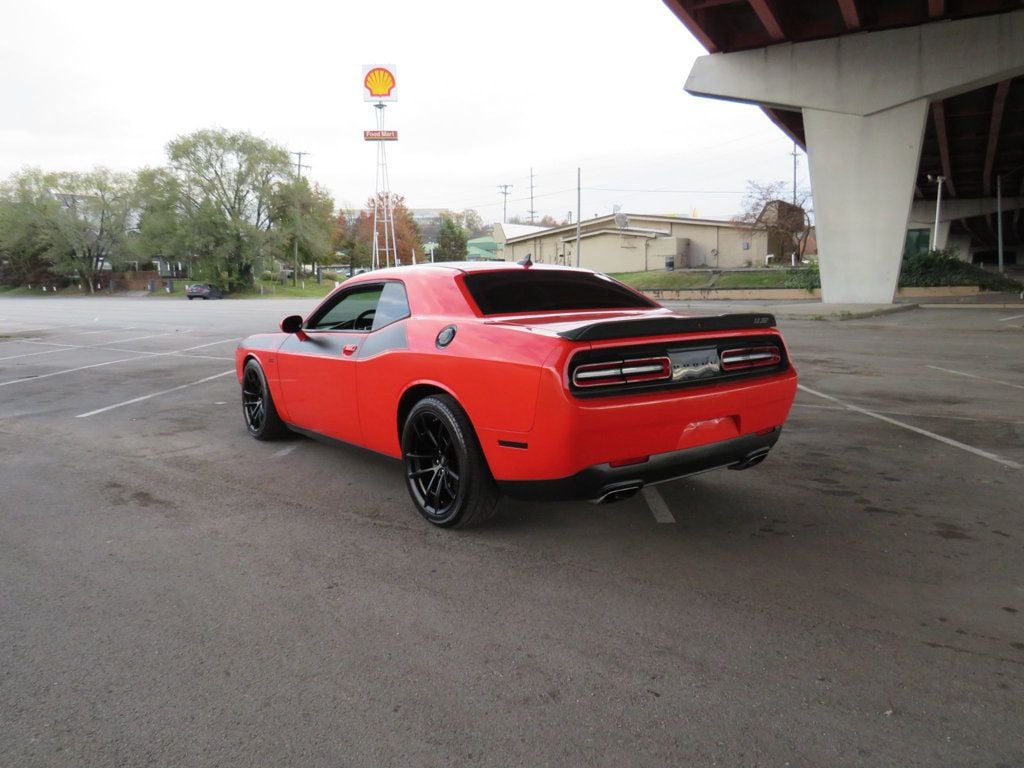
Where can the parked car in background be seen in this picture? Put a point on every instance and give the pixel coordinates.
(203, 291)
(540, 382)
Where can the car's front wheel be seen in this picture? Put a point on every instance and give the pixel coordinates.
(261, 417)
(445, 469)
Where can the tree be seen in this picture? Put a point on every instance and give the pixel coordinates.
(451, 241)
(787, 225)
(303, 217)
(161, 207)
(345, 240)
(473, 224)
(23, 242)
(77, 223)
(227, 183)
(407, 232)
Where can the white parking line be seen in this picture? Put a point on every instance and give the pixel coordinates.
(924, 432)
(36, 354)
(211, 344)
(285, 451)
(944, 416)
(975, 376)
(68, 347)
(107, 330)
(1007, 319)
(659, 508)
(154, 394)
(111, 362)
(69, 370)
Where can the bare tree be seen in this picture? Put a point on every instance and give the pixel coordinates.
(788, 226)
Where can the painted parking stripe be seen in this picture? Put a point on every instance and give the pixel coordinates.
(285, 451)
(69, 347)
(1008, 319)
(154, 394)
(141, 356)
(943, 417)
(69, 370)
(657, 504)
(946, 440)
(975, 376)
(36, 354)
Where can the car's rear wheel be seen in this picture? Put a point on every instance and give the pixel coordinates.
(445, 469)
(261, 417)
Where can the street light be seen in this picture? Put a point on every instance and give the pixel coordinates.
(938, 204)
(999, 212)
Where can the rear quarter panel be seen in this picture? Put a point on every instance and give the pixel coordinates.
(492, 372)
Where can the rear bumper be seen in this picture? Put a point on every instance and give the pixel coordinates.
(605, 482)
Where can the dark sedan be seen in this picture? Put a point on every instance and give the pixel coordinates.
(203, 291)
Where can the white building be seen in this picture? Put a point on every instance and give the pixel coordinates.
(635, 243)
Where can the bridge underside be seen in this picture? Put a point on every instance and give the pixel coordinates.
(882, 94)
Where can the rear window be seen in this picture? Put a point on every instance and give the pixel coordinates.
(511, 292)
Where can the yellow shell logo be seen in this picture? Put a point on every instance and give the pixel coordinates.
(379, 82)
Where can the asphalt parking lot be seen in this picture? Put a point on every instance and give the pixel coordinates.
(173, 592)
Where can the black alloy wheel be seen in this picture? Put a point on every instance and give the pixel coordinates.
(261, 417)
(445, 470)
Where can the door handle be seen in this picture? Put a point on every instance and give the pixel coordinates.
(349, 349)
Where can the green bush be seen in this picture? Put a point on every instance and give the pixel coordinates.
(943, 267)
(808, 277)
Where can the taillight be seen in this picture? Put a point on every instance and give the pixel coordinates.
(750, 357)
(623, 372)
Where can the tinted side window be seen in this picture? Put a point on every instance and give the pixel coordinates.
(503, 292)
(393, 305)
(353, 311)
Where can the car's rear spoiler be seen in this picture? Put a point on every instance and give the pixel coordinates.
(663, 326)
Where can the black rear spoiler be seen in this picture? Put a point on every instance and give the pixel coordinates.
(663, 326)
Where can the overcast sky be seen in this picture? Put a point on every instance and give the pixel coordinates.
(486, 92)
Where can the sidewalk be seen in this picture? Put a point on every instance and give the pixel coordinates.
(812, 309)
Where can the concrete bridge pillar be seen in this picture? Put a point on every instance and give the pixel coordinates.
(865, 101)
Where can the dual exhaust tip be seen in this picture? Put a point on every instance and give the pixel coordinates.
(624, 490)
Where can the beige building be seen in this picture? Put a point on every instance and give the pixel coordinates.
(635, 243)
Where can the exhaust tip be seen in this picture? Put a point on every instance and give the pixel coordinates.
(618, 492)
(752, 459)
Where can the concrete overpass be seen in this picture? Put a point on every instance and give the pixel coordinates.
(884, 95)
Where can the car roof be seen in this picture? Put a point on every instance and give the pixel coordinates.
(471, 266)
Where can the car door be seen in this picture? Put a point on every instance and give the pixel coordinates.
(317, 367)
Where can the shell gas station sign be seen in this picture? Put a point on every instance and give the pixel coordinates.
(380, 83)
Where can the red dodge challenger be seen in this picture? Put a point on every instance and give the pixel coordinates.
(535, 381)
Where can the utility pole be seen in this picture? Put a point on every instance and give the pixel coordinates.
(299, 164)
(532, 212)
(298, 218)
(504, 190)
(795, 156)
(578, 196)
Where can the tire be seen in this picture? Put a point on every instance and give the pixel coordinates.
(190, 298)
(445, 470)
(261, 419)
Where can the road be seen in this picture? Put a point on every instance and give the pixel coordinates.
(173, 592)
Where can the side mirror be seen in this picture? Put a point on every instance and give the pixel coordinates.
(291, 324)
